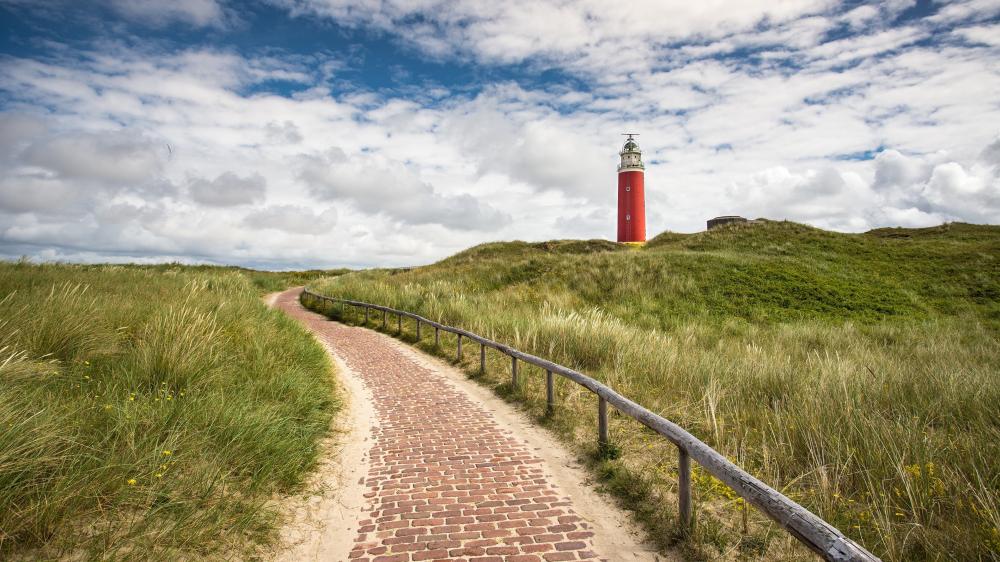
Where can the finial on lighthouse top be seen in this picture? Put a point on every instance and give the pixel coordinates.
(631, 155)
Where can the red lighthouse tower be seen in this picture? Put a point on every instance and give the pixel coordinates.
(631, 193)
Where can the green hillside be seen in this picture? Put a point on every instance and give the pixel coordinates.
(858, 373)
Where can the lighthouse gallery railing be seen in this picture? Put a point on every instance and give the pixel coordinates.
(821, 537)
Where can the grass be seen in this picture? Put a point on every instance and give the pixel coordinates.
(151, 412)
(856, 373)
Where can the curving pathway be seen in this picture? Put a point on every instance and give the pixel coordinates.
(445, 480)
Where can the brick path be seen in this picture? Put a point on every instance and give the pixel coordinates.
(445, 482)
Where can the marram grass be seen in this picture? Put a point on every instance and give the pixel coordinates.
(858, 374)
(150, 412)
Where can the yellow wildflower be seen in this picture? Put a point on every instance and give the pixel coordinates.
(167, 452)
(131, 481)
(159, 475)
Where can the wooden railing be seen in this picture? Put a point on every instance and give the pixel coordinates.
(821, 537)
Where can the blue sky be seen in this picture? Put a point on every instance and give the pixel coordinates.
(313, 133)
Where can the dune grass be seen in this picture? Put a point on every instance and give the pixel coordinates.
(858, 374)
(151, 412)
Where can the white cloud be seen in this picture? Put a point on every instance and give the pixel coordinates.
(596, 223)
(37, 193)
(582, 31)
(985, 34)
(293, 218)
(149, 13)
(819, 196)
(376, 185)
(991, 155)
(17, 131)
(963, 192)
(861, 16)
(113, 157)
(905, 190)
(200, 13)
(502, 132)
(978, 10)
(896, 170)
(228, 190)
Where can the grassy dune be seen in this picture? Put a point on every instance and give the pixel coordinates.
(150, 412)
(859, 374)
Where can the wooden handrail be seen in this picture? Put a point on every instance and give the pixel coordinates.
(821, 537)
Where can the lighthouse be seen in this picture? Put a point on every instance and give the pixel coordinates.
(631, 193)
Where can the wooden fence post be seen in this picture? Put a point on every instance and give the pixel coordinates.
(550, 392)
(513, 372)
(418, 330)
(482, 358)
(684, 489)
(367, 310)
(602, 424)
(383, 319)
(459, 352)
(437, 337)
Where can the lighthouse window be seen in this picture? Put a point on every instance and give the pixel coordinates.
(628, 188)
(628, 217)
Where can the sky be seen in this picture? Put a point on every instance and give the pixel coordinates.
(289, 134)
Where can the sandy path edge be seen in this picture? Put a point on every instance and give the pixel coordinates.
(321, 522)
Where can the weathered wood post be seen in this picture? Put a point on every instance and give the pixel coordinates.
(399, 323)
(513, 372)
(367, 310)
(550, 392)
(437, 337)
(418, 330)
(383, 319)
(603, 442)
(482, 358)
(458, 354)
(684, 489)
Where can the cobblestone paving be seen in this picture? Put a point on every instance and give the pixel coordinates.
(445, 482)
